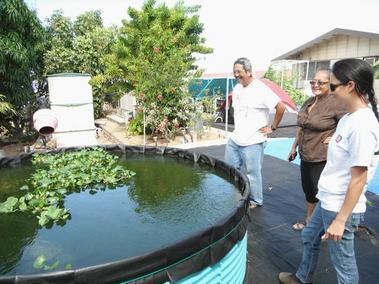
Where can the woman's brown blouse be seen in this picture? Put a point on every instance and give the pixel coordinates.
(317, 125)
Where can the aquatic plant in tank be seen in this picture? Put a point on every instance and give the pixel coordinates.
(57, 175)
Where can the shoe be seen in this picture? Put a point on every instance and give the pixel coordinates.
(299, 226)
(288, 278)
(253, 205)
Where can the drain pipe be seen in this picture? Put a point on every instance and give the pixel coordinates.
(45, 121)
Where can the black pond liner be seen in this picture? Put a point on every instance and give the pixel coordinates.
(171, 263)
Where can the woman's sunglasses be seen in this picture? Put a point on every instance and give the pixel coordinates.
(333, 87)
(318, 82)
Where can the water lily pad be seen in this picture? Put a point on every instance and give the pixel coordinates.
(68, 266)
(40, 261)
(8, 205)
(51, 267)
(24, 187)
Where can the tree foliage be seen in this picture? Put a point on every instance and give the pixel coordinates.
(21, 57)
(88, 22)
(5, 107)
(79, 46)
(59, 56)
(155, 57)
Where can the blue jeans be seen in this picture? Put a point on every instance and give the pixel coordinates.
(341, 253)
(248, 159)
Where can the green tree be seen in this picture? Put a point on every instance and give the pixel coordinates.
(155, 57)
(59, 56)
(88, 22)
(79, 46)
(90, 56)
(5, 107)
(21, 60)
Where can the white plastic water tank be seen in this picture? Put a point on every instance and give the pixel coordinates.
(71, 100)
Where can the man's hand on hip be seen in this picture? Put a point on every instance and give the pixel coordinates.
(266, 130)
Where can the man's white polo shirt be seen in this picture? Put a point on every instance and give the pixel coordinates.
(252, 105)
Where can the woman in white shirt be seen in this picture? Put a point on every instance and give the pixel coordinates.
(343, 182)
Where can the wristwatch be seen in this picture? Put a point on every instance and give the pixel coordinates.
(273, 128)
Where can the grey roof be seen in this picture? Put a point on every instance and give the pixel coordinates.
(328, 35)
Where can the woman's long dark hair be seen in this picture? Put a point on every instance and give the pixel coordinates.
(362, 74)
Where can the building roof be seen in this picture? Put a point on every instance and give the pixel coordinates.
(326, 36)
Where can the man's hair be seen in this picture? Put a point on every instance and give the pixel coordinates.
(245, 62)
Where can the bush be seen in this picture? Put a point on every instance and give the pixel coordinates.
(135, 126)
(297, 95)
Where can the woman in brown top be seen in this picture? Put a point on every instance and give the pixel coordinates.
(317, 121)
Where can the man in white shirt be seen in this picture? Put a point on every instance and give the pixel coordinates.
(252, 102)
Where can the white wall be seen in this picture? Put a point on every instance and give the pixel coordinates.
(342, 46)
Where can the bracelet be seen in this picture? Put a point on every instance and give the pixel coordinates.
(273, 128)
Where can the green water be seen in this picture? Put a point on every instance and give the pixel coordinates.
(168, 200)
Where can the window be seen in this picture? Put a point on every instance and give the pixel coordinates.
(323, 65)
(302, 70)
(372, 60)
(298, 73)
(311, 70)
(314, 66)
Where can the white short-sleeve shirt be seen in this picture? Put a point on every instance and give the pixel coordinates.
(353, 145)
(252, 105)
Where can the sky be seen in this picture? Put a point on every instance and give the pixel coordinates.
(259, 30)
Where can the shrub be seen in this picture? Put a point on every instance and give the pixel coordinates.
(135, 126)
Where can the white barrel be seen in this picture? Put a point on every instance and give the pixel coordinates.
(74, 139)
(74, 117)
(69, 88)
(71, 100)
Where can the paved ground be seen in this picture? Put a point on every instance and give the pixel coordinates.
(273, 246)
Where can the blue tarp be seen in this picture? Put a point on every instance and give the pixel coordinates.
(200, 88)
(280, 148)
